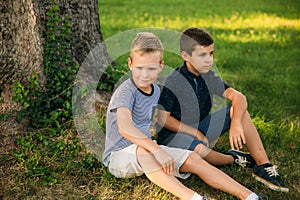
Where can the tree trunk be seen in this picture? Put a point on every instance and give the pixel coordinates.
(86, 32)
(21, 49)
(22, 38)
(22, 26)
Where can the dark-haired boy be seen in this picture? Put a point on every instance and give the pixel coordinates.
(185, 120)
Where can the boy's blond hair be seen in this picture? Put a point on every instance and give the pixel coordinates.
(146, 42)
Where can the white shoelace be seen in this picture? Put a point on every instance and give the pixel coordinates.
(272, 171)
(242, 161)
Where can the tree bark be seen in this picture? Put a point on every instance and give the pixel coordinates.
(22, 39)
(22, 26)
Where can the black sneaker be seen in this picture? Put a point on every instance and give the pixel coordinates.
(268, 175)
(242, 159)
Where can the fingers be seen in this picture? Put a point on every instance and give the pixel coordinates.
(165, 160)
(231, 142)
(169, 167)
(237, 142)
(243, 139)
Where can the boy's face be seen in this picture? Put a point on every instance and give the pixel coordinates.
(201, 60)
(145, 69)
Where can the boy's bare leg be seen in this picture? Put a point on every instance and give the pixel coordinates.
(213, 157)
(155, 174)
(214, 177)
(253, 144)
(253, 141)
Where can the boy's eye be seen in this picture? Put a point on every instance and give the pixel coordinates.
(147, 68)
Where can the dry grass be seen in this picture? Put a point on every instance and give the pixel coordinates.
(97, 183)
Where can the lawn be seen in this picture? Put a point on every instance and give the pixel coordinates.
(257, 48)
(256, 51)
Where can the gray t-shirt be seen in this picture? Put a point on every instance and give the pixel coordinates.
(141, 105)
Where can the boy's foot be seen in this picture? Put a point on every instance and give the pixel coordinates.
(241, 158)
(268, 175)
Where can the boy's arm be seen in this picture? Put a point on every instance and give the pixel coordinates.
(166, 120)
(239, 108)
(131, 133)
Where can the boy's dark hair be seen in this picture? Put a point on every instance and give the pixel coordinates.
(192, 37)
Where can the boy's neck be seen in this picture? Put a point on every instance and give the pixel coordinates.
(191, 69)
(146, 90)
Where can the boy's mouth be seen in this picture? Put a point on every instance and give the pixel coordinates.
(144, 81)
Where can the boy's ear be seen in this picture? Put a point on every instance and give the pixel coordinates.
(129, 61)
(185, 55)
(162, 64)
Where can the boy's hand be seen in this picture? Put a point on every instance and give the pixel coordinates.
(200, 136)
(167, 162)
(236, 136)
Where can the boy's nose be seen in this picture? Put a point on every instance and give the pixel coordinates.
(144, 73)
(209, 59)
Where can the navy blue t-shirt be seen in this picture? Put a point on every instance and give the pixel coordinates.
(189, 98)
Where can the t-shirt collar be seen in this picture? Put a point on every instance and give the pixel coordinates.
(187, 73)
(141, 91)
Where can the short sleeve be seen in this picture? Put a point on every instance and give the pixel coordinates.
(123, 97)
(215, 84)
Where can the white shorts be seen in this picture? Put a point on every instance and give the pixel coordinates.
(124, 164)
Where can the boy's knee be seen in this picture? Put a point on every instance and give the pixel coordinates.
(193, 158)
(192, 164)
(202, 150)
(147, 161)
(143, 156)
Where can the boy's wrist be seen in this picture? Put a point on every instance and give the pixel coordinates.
(199, 136)
(155, 148)
(235, 121)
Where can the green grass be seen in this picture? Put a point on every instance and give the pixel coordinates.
(256, 51)
(256, 43)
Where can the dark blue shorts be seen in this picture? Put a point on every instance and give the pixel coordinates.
(213, 126)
